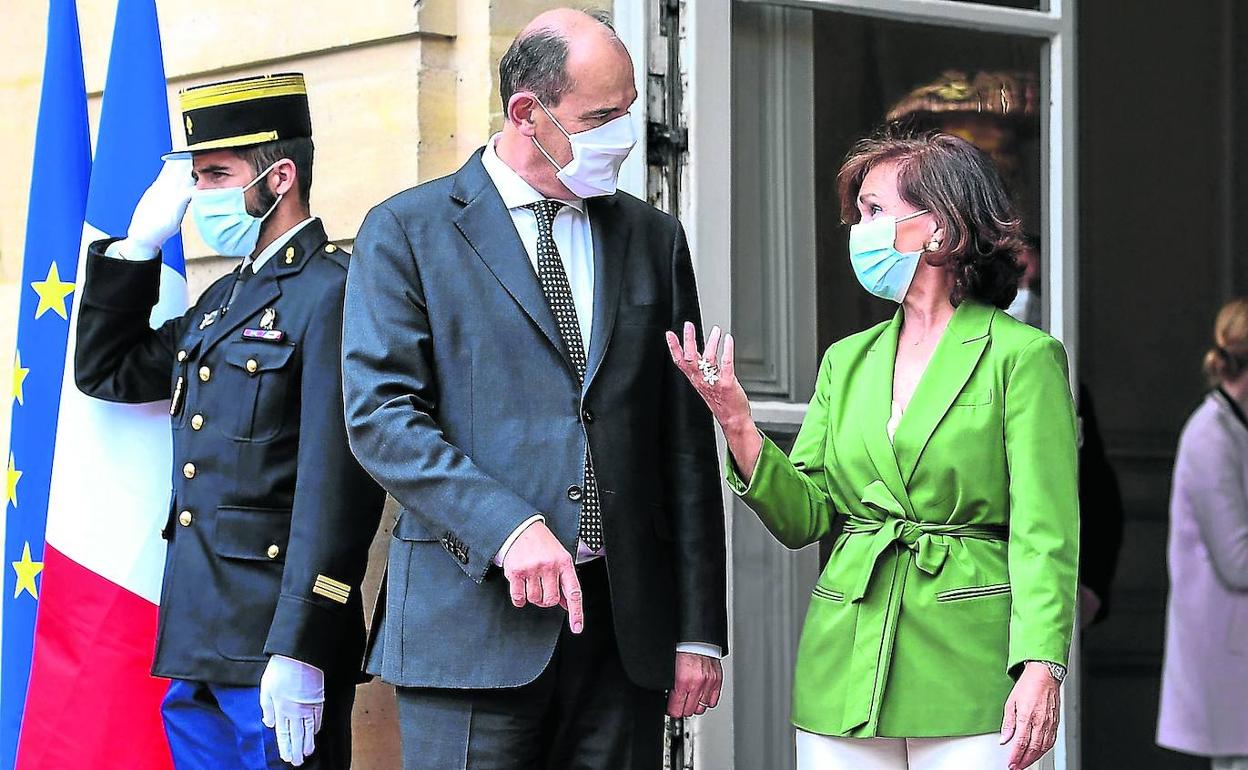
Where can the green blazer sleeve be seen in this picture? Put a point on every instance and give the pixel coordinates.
(1040, 448)
(790, 494)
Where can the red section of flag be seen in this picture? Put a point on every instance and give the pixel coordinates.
(91, 701)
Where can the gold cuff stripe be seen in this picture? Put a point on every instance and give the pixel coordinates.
(331, 596)
(199, 98)
(328, 581)
(234, 141)
(331, 589)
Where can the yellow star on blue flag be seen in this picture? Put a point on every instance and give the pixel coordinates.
(13, 476)
(52, 292)
(19, 377)
(26, 570)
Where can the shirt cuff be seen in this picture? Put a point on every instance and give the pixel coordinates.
(515, 533)
(129, 251)
(704, 649)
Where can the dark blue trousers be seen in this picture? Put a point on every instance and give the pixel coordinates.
(219, 727)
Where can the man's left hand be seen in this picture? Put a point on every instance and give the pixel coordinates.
(292, 699)
(698, 681)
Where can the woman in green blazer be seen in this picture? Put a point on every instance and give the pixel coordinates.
(940, 452)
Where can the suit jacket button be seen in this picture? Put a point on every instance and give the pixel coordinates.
(188, 470)
(205, 373)
(197, 422)
(252, 365)
(185, 518)
(574, 493)
(273, 551)
(181, 355)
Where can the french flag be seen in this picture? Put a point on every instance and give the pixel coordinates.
(95, 474)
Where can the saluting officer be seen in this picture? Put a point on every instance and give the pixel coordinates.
(261, 621)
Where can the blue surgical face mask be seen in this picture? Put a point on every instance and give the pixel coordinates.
(223, 221)
(879, 266)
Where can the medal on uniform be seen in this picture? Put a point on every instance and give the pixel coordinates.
(209, 319)
(175, 405)
(266, 332)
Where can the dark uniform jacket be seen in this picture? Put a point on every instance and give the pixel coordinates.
(463, 401)
(271, 517)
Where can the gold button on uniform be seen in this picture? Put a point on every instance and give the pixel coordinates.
(205, 373)
(197, 422)
(274, 551)
(181, 355)
(330, 249)
(188, 470)
(184, 518)
(252, 365)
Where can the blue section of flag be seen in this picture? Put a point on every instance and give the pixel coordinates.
(134, 125)
(58, 196)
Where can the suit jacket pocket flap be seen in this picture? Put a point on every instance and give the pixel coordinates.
(258, 356)
(255, 534)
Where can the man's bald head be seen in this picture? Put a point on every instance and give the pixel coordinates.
(549, 53)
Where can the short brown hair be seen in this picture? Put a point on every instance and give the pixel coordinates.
(960, 186)
(298, 150)
(1229, 354)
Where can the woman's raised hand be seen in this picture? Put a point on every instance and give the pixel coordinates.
(712, 375)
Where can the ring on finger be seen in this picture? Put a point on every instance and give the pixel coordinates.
(710, 372)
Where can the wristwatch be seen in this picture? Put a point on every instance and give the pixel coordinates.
(1056, 670)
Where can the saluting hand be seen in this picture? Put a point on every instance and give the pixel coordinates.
(541, 571)
(158, 215)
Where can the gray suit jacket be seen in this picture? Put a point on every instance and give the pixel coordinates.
(464, 404)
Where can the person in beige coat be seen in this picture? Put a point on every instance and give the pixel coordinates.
(1204, 693)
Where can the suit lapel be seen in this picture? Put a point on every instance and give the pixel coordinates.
(611, 240)
(259, 292)
(878, 400)
(952, 364)
(487, 226)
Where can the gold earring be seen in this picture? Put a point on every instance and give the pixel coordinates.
(933, 244)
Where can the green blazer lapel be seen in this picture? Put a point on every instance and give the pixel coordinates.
(877, 409)
(953, 361)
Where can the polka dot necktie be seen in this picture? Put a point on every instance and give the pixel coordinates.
(558, 291)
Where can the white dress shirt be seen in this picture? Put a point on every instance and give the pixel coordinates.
(575, 240)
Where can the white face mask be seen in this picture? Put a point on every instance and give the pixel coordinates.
(597, 155)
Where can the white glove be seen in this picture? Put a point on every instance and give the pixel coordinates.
(292, 698)
(159, 213)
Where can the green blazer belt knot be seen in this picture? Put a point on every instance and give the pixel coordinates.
(929, 541)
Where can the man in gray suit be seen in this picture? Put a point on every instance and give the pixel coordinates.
(557, 573)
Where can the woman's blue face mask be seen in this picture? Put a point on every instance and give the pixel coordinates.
(879, 266)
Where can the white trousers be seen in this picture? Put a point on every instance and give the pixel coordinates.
(972, 752)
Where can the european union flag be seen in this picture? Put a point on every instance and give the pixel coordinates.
(58, 199)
